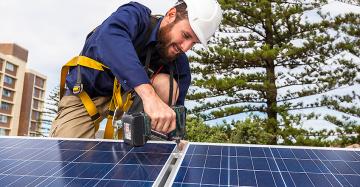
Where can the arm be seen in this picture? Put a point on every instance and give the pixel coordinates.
(115, 40)
(116, 50)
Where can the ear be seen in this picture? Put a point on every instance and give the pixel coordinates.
(171, 15)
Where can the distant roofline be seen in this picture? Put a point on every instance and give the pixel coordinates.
(14, 50)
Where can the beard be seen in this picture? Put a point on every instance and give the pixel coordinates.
(164, 43)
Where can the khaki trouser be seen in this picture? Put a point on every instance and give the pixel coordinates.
(73, 121)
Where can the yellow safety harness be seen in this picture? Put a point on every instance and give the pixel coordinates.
(116, 100)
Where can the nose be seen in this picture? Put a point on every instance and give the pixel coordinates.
(186, 45)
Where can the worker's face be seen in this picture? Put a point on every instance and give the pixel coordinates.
(176, 38)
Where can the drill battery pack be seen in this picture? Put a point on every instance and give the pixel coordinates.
(137, 127)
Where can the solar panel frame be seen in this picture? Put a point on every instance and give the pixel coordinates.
(282, 177)
(74, 166)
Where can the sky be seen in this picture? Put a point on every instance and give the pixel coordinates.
(54, 31)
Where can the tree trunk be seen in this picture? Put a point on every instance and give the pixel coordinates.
(271, 93)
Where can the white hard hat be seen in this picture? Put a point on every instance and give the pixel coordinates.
(205, 17)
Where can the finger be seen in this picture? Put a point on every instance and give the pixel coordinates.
(167, 122)
(165, 128)
(153, 123)
(172, 125)
(159, 125)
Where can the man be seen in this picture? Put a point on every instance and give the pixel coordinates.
(120, 48)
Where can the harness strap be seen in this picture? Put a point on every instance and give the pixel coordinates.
(153, 21)
(84, 97)
(109, 129)
(171, 80)
(116, 100)
(90, 107)
(78, 60)
(147, 61)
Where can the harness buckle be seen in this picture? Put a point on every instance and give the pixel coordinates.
(78, 88)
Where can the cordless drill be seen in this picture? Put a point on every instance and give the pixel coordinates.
(137, 128)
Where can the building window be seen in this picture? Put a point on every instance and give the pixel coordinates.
(5, 106)
(10, 67)
(35, 104)
(6, 93)
(3, 119)
(8, 80)
(40, 82)
(33, 126)
(36, 115)
(38, 93)
(2, 132)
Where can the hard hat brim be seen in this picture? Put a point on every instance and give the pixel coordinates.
(204, 21)
(197, 32)
(194, 26)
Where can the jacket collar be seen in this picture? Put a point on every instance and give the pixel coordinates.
(153, 36)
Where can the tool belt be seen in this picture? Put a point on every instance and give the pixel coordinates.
(116, 100)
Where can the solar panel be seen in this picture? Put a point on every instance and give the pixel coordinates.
(51, 162)
(65, 162)
(239, 165)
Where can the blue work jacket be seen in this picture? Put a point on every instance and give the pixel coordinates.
(114, 44)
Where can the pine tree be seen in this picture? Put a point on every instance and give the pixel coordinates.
(271, 58)
(50, 111)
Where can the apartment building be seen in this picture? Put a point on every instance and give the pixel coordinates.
(32, 103)
(22, 93)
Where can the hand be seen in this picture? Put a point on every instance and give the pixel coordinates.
(163, 118)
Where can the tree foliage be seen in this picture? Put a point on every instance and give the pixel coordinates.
(269, 57)
(50, 111)
(252, 131)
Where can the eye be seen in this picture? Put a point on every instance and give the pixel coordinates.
(186, 36)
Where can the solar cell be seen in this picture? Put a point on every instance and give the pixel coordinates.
(242, 165)
(52, 162)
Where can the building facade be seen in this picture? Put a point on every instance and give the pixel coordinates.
(32, 104)
(22, 93)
